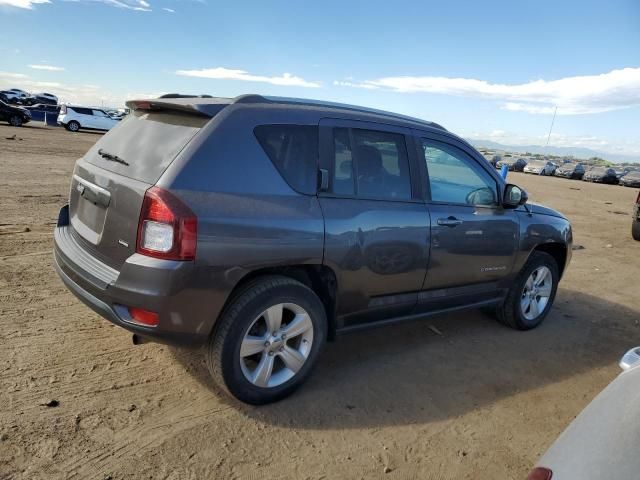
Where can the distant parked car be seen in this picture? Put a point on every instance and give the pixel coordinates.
(635, 223)
(574, 171)
(47, 98)
(15, 96)
(601, 175)
(74, 118)
(631, 179)
(16, 116)
(43, 107)
(514, 164)
(540, 167)
(602, 442)
(494, 160)
(116, 115)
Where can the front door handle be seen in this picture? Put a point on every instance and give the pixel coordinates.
(449, 222)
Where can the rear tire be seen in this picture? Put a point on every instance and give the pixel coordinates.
(527, 302)
(635, 230)
(73, 126)
(243, 345)
(15, 121)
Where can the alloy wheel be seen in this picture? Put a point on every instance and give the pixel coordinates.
(536, 293)
(276, 345)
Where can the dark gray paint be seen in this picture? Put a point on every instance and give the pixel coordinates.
(390, 259)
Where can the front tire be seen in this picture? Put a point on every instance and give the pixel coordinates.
(267, 340)
(73, 126)
(15, 121)
(532, 294)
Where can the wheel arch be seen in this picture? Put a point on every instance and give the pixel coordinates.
(557, 250)
(319, 278)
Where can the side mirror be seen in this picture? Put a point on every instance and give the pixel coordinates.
(514, 196)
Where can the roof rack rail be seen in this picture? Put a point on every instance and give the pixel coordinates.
(254, 98)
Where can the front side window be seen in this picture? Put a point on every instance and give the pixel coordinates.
(454, 177)
(370, 164)
(293, 149)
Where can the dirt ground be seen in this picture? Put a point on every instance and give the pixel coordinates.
(477, 401)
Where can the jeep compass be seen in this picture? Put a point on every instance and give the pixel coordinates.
(260, 227)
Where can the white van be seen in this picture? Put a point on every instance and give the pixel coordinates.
(74, 118)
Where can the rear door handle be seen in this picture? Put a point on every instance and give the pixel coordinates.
(449, 222)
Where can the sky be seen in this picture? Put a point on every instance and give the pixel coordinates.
(492, 70)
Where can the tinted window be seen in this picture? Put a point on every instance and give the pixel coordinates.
(454, 177)
(147, 141)
(342, 163)
(293, 149)
(377, 160)
(81, 111)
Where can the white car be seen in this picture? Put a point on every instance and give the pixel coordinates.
(540, 167)
(73, 118)
(602, 442)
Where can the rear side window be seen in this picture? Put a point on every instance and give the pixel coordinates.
(147, 141)
(377, 161)
(293, 149)
(81, 111)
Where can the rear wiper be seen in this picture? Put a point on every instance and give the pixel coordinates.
(110, 156)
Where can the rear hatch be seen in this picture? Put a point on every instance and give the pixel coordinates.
(110, 181)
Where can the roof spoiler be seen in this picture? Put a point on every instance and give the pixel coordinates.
(185, 104)
(209, 106)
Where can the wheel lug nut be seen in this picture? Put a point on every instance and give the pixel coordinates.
(271, 354)
(267, 343)
(282, 349)
(283, 336)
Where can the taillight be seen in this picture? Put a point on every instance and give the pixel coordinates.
(63, 110)
(143, 317)
(167, 228)
(540, 473)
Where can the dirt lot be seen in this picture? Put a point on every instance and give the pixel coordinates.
(479, 401)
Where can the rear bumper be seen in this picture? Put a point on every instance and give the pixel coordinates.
(157, 285)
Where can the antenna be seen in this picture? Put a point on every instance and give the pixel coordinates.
(550, 129)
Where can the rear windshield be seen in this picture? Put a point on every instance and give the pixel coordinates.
(147, 141)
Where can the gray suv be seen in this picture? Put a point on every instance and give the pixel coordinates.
(260, 227)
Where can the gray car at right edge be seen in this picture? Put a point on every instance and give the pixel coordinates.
(602, 442)
(260, 227)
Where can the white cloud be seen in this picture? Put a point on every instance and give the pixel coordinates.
(28, 4)
(221, 73)
(12, 76)
(136, 5)
(170, 10)
(49, 68)
(614, 90)
(90, 95)
(365, 85)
